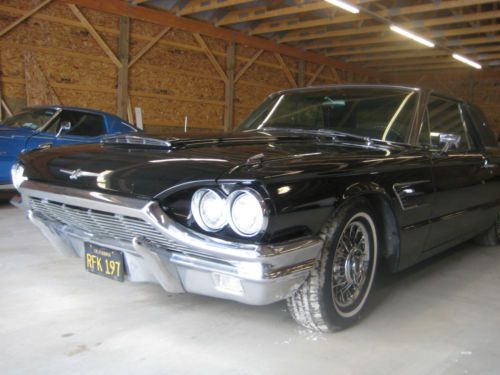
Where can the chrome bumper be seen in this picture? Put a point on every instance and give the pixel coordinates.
(192, 262)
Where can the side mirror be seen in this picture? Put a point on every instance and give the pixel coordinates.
(64, 128)
(448, 140)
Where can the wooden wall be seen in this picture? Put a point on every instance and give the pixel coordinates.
(174, 79)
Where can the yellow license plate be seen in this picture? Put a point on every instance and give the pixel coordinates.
(105, 262)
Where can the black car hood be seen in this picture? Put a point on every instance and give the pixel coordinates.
(143, 170)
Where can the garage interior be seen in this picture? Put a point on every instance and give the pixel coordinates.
(202, 66)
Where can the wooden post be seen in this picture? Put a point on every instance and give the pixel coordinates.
(123, 46)
(229, 88)
(301, 78)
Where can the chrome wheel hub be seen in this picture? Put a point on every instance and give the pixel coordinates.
(350, 264)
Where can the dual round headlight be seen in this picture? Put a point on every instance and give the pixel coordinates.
(243, 210)
(17, 173)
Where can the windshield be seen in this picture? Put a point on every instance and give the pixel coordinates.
(32, 119)
(378, 113)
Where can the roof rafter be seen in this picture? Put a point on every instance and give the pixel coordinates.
(395, 38)
(197, 6)
(262, 12)
(291, 24)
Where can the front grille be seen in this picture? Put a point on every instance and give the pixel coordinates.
(102, 225)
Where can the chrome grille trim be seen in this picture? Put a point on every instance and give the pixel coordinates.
(103, 225)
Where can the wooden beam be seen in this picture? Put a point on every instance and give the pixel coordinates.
(6, 108)
(94, 34)
(24, 17)
(293, 24)
(165, 18)
(288, 75)
(417, 63)
(123, 48)
(335, 74)
(197, 6)
(130, 112)
(211, 57)
(248, 65)
(315, 75)
(424, 53)
(415, 48)
(491, 56)
(393, 37)
(262, 12)
(451, 65)
(147, 47)
(229, 88)
(324, 33)
(310, 34)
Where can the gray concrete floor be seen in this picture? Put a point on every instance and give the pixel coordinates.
(55, 318)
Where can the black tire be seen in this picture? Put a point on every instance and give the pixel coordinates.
(317, 303)
(491, 237)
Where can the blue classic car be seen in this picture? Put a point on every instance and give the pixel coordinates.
(52, 126)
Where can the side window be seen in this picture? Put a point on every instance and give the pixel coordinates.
(445, 118)
(83, 124)
(481, 124)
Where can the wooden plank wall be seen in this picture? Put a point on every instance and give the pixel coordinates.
(172, 80)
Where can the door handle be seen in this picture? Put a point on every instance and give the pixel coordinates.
(486, 164)
(43, 146)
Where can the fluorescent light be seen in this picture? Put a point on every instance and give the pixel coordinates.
(344, 5)
(465, 60)
(410, 35)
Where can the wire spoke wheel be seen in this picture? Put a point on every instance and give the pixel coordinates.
(350, 264)
(336, 292)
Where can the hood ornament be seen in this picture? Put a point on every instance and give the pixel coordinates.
(77, 173)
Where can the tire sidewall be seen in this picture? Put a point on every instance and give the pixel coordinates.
(357, 210)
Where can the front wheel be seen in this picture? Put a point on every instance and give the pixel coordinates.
(336, 292)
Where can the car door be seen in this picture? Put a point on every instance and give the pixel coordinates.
(85, 127)
(459, 174)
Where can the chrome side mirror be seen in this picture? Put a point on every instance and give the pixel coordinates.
(64, 128)
(448, 140)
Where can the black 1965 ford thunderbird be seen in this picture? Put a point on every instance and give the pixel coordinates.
(302, 202)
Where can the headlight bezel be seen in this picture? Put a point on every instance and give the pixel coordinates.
(231, 199)
(229, 196)
(17, 174)
(196, 202)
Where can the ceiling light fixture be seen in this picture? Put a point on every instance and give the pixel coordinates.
(465, 60)
(344, 5)
(412, 36)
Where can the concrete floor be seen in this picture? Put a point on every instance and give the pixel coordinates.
(439, 318)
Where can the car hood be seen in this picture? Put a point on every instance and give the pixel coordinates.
(148, 170)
